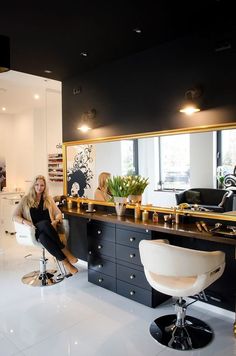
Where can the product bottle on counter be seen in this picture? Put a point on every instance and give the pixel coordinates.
(137, 211)
(155, 217)
(177, 218)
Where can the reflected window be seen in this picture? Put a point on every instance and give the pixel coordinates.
(228, 149)
(175, 161)
(128, 162)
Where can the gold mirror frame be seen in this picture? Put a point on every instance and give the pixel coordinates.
(198, 129)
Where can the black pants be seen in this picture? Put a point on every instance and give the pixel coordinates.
(49, 238)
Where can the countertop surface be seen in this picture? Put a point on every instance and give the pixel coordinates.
(188, 230)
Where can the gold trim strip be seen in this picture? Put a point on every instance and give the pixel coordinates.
(195, 129)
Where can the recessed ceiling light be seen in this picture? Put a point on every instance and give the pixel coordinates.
(48, 71)
(137, 30)
(36, 96)
(84, 54)
(3, 108)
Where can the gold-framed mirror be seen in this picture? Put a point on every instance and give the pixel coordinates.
(84, 160)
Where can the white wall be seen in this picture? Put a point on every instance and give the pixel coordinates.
(202, 160)
(28, 138)
(105, 158)
(6, 128)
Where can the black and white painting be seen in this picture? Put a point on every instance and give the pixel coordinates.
(80, 171)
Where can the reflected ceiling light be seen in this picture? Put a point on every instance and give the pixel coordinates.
(137, 30)
(191, 104)
(3, 108)
(84, 54)
(36, 96)
(4, 54)
(86, 122)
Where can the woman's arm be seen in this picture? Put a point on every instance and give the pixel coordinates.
(18, 214)
(56, 213)
(98, 195)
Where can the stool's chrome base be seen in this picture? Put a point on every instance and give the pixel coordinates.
(43, 277)
(38, 279)
(194, 334)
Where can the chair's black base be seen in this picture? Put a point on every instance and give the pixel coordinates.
(194, 335)
(37, 279)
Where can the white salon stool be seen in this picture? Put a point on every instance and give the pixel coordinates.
(180, 272)
(25, 235)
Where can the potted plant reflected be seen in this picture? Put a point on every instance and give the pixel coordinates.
(137, 185)
(119, 188)
(220, 175)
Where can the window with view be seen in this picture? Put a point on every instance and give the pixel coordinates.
(175, 161)
(127, 157)
(228, 150)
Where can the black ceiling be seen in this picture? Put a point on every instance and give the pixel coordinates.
(52, 35)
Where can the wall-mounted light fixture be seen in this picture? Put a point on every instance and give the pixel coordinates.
(4, 54)
(191, 103)
(87, 120)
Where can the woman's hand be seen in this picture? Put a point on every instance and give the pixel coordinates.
(26, 222)
(54, 223)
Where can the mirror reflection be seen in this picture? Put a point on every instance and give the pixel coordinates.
(172, 163)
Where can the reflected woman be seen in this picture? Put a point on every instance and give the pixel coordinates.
(101, 193)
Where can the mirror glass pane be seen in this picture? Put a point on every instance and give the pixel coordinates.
(171, 163)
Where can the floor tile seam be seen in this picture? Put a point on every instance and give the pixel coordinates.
(11, 341)
(48, 337)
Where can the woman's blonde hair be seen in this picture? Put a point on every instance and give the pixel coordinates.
(102, 180)
(32, 196)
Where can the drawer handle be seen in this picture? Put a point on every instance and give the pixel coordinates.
(100, 266)
(100, 280)
(132, 276)
(132, 292)
(131, 239)
(132, 255)
(99, 232)
(99, 247)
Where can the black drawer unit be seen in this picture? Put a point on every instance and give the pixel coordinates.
(102, 231)
(101, 255)
(114, 262)
(128, 254)
(135, 293)
(131, 237)
(101, 247)
(132, 276)
(102, 264)
(102, 280)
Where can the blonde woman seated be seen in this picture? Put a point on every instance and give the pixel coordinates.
(38, 209)
(101, 193)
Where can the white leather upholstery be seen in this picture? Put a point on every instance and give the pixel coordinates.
(25, 235)
(179, 271)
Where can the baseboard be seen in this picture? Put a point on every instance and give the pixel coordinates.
(212, 308)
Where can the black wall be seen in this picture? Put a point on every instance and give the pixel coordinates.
(143, 92)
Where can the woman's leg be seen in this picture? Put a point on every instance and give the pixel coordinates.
(49, 238)
(46, 227)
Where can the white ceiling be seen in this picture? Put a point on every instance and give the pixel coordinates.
(17, 91)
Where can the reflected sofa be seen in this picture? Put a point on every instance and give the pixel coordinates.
(218, 200)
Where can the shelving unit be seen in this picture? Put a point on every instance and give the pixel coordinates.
(55, 167)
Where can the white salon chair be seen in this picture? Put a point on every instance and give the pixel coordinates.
(25, 235)
(180, 272)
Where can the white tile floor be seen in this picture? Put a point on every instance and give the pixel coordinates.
(76, 317)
